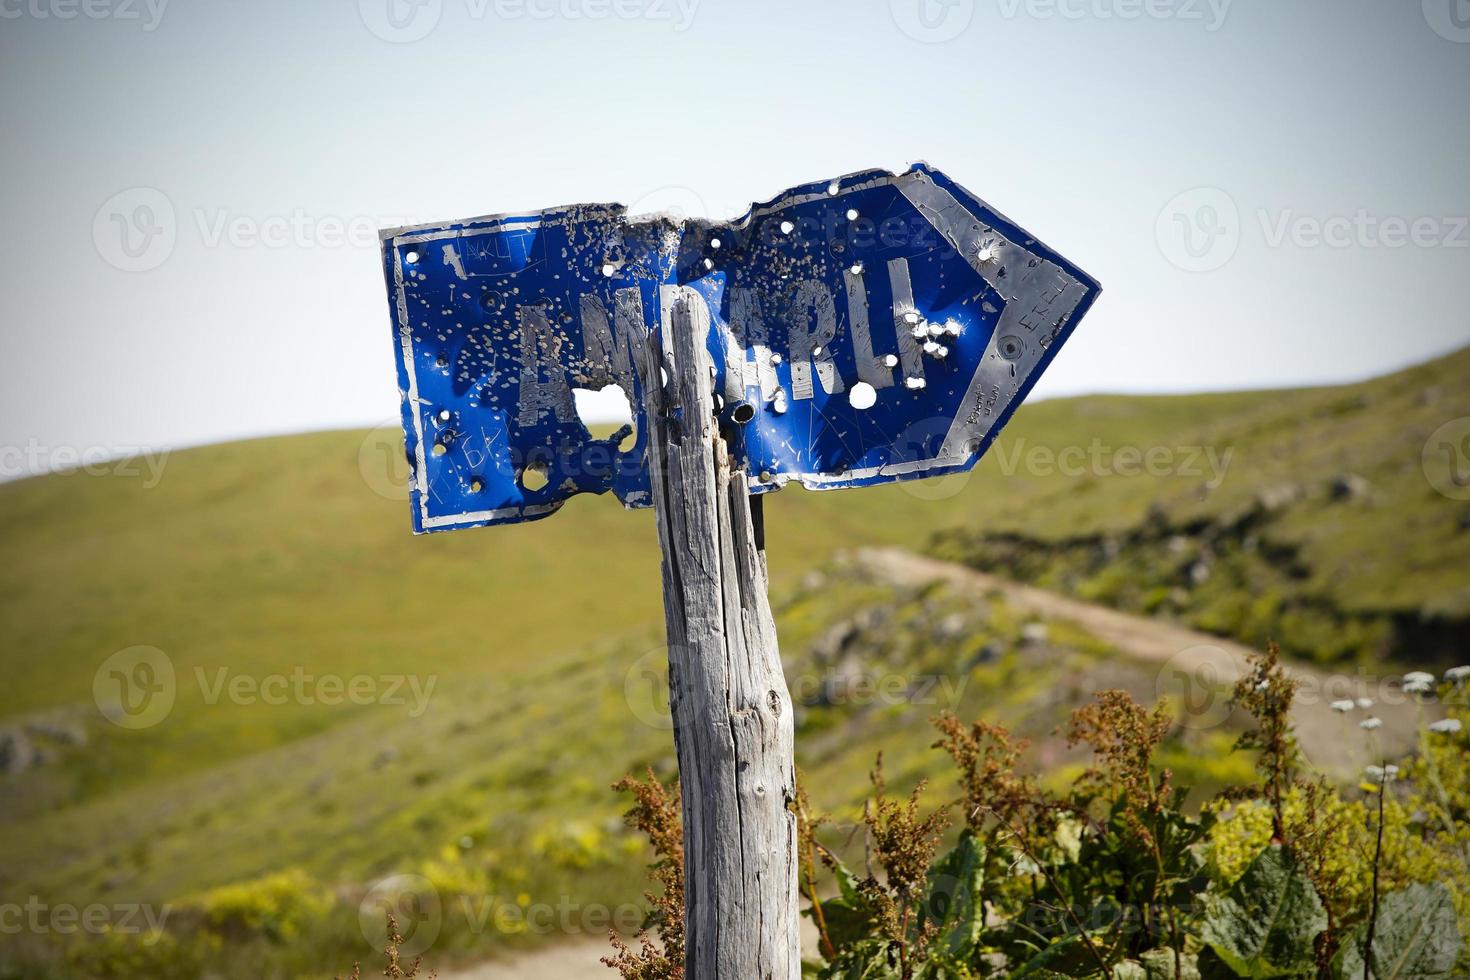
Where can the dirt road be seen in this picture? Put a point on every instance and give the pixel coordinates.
(566, 961)
(1197, 665)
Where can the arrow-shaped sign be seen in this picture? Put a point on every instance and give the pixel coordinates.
(872, 328)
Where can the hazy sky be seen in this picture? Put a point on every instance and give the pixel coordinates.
(1271, 191)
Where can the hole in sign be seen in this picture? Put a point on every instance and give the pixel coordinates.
(607, 408)
(534, 477)
(862, 396)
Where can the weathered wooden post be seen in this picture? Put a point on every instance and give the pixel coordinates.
(865, 330)
(732, 712)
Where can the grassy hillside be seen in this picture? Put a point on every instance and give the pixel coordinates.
(499, 793)
(538, 645)
(1331, 530)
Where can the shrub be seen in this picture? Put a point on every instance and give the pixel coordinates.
(274, 906)
(1285, 876)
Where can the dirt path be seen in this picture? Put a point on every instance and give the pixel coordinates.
(1196, 665)
(1191, 663)
(566, 961)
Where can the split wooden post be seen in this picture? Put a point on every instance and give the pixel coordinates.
(731, 709)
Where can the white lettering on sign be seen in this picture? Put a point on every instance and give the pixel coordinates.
(813, 328)
(750, 327)
(612, 344)
(905, 320)
(543, 378)
(611, 348)
(870, 369)
(735, 365)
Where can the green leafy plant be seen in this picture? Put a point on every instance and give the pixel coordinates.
(1268, 923)
(1117, 877)
(1415, 936)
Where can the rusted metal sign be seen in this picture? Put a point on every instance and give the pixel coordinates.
(872, 328)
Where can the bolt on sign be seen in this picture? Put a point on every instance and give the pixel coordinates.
(863, 330)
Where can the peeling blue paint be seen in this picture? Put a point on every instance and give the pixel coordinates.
(863, 330)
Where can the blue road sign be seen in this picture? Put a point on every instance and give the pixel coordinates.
(873, 328)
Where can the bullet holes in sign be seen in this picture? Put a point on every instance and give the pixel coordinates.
(534, 477)
(862, 396)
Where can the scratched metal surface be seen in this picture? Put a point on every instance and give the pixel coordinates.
(872, 328)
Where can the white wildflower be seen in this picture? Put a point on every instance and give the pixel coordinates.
(1381, 774)
(1446, 726)
(1457, 674)
(1418, 682)
(1365, 703)
(1370, 723)
(1343, 706)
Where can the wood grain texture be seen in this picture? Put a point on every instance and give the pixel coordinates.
(731, 709)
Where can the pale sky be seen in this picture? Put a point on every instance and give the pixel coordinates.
(1272, 192)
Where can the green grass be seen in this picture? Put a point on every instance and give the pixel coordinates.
(264, 557)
